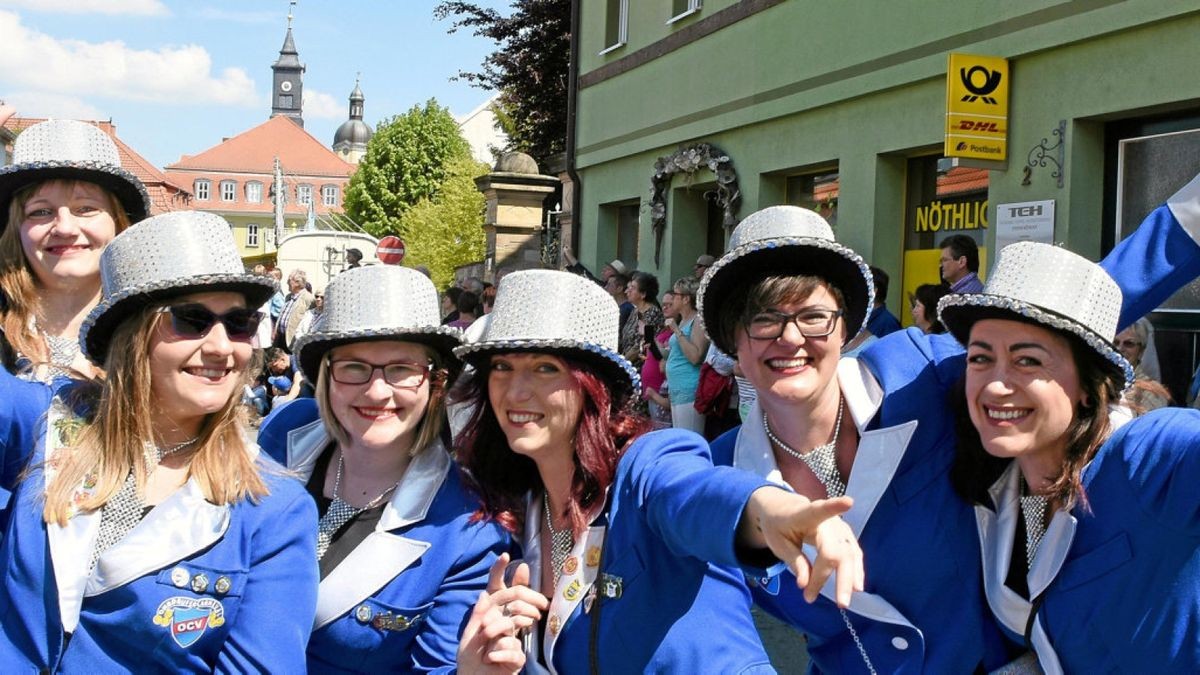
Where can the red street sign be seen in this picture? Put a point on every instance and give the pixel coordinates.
(390, 250)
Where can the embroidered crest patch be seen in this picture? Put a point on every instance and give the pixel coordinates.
(188, 618)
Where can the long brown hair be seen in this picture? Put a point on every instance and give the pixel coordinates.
(19, 297)
(975, 471)
(501, 477)
(112, 441)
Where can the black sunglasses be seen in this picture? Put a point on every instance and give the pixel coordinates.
(195, 320)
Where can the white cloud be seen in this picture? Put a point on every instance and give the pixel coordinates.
(115, 7)
(319, 105)
(170, 74)
(35, 104)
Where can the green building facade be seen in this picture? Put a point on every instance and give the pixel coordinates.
(841, 106)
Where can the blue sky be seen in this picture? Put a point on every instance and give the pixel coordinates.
(177, 76)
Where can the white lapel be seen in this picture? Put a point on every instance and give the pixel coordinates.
(71, 544)
(181, 525)
(879, 454)
(997, 530)
(304, 445)
(383, 555)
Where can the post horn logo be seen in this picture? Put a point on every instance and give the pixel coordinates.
(991, 81)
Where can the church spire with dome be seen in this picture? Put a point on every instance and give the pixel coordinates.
(350, 141)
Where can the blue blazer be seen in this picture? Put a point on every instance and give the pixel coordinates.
(400, 600)
(923, 606)
(22, 404)
(1117, 588)
(662, 608)
(195, 587)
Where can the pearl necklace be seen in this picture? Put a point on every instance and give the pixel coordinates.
(821, 459)
(561, 541)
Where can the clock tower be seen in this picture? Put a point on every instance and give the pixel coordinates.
(288, 85)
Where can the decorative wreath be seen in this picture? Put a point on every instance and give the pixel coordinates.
(689, 159)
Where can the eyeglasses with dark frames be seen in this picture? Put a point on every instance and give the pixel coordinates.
(399, 374)
(193, 320)
(812, 322)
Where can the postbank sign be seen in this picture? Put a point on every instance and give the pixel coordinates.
(977, 107)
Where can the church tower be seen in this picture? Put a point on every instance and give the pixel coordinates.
(350, 141)
(287, 93)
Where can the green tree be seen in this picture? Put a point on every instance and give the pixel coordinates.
(446, 231)
(406, 161)
(529, 68)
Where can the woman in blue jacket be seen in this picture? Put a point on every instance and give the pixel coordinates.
(1090, 526)
(617, 528)
(878, 428)
(148, 534)
(401, 558)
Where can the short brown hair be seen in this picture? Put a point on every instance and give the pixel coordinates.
(752, 297)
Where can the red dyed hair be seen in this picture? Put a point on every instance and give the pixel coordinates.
(501, 478)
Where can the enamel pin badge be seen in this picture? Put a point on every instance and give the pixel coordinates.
(189, 618)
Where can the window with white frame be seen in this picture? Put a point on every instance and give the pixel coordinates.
(304, 194)
(201, 188)
(252, 235)
(228, 191)
(329, 195)
(616, 25)
(682, 8)
(254, 192)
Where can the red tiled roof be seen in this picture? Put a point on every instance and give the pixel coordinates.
(255, 150)
(165, 195)
(961, 179)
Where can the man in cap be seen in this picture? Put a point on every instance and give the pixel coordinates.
(609, 269)
(353, 258)
(702, 264)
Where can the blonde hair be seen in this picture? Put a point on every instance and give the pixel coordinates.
(17, 282)
(431, 422)
(112, 442)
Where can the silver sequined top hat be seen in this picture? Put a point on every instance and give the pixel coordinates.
(785, 241)
(71, 150)
(162, 257)
(555, 312)
(380, 302)
(1050, 286)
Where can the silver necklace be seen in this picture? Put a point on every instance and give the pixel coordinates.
(561, 541)
(821, 459)
(823, 463)
(340, 512)
(162, 453)
(1033, 508)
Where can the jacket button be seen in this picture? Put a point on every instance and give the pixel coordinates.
(899, 643)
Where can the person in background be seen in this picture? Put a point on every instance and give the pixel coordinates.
(401, 558)
(147, 517)
(450, 304)
(616, 526)
(353, 258)
(468, 310)
(686, 350)
(575, 267)
(1135, 344)
(313, 313)
(654, 378)
(642, 293)
(702, 264)
(277, 301)
(297, 302)
(881, 321)
(924, 308)
(615, 285)
(959, 264)
(61, 201)
(281, 386)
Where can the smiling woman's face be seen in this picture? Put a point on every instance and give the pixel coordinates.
(1022, 387)
(65, 227)
(537, 402)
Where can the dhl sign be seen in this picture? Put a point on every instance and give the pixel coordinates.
(977, 107)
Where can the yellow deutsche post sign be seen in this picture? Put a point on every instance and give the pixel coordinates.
(977, 107)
